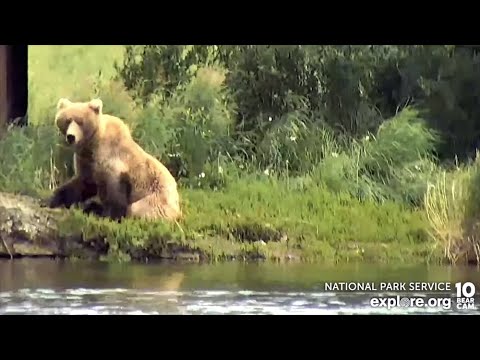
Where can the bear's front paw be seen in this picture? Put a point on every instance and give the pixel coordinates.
(93, 208)
(44, 203)
(58, 199)
(53, 202)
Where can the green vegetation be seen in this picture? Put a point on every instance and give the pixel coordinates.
(332, 153)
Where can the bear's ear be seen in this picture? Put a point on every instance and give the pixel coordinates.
(63, 103)
(96, 105)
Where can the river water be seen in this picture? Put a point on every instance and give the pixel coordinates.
(45, 286)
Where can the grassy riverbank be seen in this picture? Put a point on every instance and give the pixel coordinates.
(258, 218)
(292, 189)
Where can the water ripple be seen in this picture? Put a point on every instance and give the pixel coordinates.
(83, 301)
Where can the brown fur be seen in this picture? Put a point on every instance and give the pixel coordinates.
(109, 163)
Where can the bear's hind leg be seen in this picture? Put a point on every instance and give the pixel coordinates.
(153, 207)
(116, 197)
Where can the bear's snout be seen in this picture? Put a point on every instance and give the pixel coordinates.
(70, 139)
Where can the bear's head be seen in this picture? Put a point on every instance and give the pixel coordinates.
(78, 121)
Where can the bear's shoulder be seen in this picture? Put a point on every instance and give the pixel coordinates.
(114, 127)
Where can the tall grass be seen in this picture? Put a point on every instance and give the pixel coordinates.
(451, 204)
(332, 196)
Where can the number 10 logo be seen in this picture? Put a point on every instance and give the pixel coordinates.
(465, 290)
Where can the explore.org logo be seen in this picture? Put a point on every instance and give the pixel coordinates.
(391, 302)
(462, 299)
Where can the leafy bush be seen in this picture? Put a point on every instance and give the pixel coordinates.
(192, 129)
(352, 88)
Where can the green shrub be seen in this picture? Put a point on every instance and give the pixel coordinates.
(191, 131)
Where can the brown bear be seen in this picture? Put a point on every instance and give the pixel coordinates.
(109, 163)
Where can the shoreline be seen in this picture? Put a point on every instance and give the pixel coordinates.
(29, 230)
